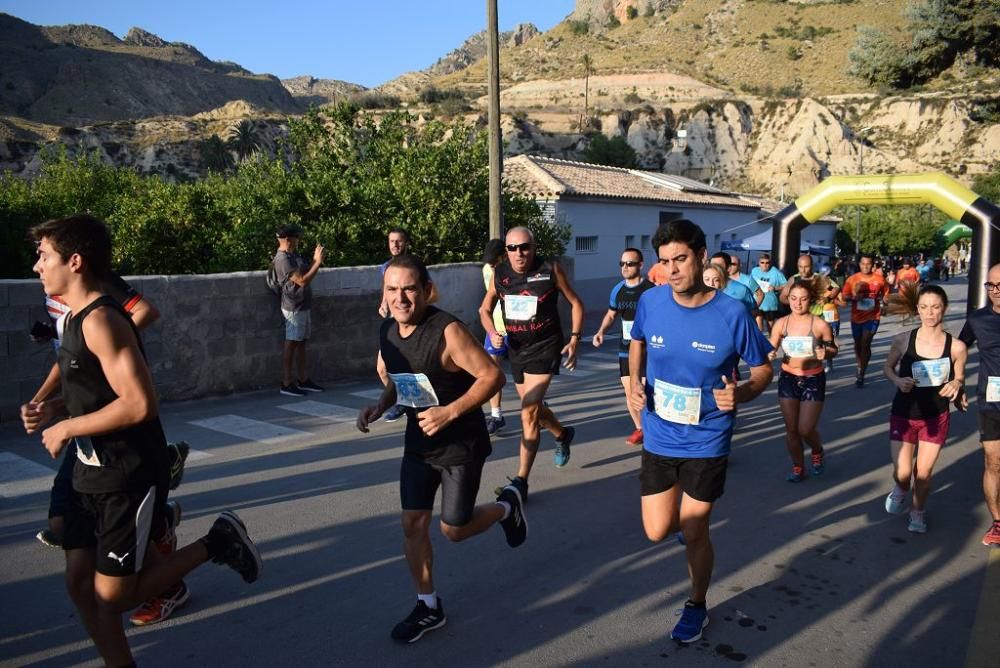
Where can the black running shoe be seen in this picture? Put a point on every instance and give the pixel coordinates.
(178, 454)
(515, 526)
(859, 380)
(292, 391)
(420, 621)
(518, 483)
(239, 552)
(310, 386)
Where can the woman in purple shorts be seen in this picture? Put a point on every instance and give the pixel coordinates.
(927, 366)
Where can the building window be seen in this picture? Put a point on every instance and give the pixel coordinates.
(586, 245)
(629, 241)
(645, 242)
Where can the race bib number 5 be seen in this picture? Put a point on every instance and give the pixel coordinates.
(520, 307)
(673, 403)
(931, 373)
(993, 388)
(414, 390)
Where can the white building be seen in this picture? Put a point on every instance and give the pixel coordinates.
(610, 208)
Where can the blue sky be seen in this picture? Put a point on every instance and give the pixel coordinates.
(363, 42)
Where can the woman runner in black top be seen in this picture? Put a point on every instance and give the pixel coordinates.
(931, 374)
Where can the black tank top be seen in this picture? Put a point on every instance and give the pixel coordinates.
(921, 402)
(415, 366)
(131, 458)
(533, 322)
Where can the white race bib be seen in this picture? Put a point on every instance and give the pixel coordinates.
(414, 390)
(520, 307)
(993, 388)
(626, 330)
(765, 285)
(798, 347)
(677, 404)
(931, 373)
(866, 304)
(830, 315)
(85, 451)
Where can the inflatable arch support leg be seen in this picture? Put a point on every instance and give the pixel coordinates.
(948, 195)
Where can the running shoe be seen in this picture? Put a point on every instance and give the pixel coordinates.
(292, 391)
(310, 386)
(166, 543)
(918, 524)
(495, 424)
(635, 438)
(992, 537)
(817, 463)
(895, 502)
(859, 380)
(562, 453)
(518, 483)
(158, 609)
(515, 525)
(394, 413)
(239, 552)
(419, 622)
(178, 453)
(798, 474)
(693, 620)
(49, 538)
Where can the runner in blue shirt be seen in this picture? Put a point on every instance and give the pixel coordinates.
(770, 279)
(692, 337)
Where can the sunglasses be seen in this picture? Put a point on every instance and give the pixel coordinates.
(513, 248)
(992, 287)
(629, 263)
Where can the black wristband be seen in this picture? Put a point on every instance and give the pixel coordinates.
(576, 334)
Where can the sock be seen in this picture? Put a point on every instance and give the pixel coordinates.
(506, 509)
(496, 412)
(919, 514)
(430, 600)
(692, 604)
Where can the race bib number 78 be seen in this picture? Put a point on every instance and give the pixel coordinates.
(673, 403)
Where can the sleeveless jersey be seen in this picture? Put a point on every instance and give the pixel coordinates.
(923, 401)
(530, 307)
(414, 364)
(131, 458)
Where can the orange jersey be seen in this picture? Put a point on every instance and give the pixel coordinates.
(865, 294)
(657, 274)
(910, 275)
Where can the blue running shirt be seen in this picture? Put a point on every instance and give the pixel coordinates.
(688, 350)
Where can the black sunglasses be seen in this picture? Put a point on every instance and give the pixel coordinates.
(629, 263)
(992, 287)
(513, 248)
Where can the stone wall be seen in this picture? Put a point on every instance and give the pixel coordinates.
(221, 333)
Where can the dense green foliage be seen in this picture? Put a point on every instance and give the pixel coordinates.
(892, 230)
(987, 185)
(344, 177)
(614, 152)
(942, 32)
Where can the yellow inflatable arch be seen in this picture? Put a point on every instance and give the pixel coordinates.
(939, 190)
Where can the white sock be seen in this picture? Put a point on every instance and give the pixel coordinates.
(496, 412)
(430, 600)
(506, 509)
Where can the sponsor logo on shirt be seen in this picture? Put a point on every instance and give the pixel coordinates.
(74, 364)
(655, 341)
(703, 347)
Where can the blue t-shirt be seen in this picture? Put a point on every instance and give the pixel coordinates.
(688, 351)
(747, 280)
(742, 294)
(770, 282)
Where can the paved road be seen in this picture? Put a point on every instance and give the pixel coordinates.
(815, 574)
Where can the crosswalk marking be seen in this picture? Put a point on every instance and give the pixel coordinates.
(251, 430)
(368, 394)
(323, 410)
(20, 476)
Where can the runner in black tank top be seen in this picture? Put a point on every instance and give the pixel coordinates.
(121, 476)
(931, 374)
(528, 288)
(441, 376)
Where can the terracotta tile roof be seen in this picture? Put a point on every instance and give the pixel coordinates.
(769, 206)
(552, 178)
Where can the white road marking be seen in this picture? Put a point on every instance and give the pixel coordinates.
(368, 394)
(323, 410)
(251, 430)
(20, 476)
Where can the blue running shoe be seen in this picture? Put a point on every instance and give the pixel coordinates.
(895, 502)
(495, 424)
(394, 413)
(818, 463)
(798, 474)
(693, 620)
(561, 455)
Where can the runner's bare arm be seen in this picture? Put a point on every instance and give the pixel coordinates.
(462, 351)
(112, 340)
(959, 355)
(486, 309)
(609, 319)
(896, 350)
(828, 344)
(302, 280)
(576, 310)
(759, 296)
(636, 355)
(760, 378)
(144, 314)
(369, 414)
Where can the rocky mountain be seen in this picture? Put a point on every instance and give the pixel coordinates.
(79, 74)
(309, 91)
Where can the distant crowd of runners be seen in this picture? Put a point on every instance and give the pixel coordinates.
(682, 333)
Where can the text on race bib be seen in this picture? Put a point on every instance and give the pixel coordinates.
(993, 388)
(931, 373)
(765, 285)
(414, 390)
(85, 451)
(626, 330)
(673, 403)
(798, 347)
(866, 304)
(830, 315)
(520, 307)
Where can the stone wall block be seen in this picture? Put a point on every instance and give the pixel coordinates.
(28, 293)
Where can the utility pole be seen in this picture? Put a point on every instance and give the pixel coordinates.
(861, 172)
(496, 155)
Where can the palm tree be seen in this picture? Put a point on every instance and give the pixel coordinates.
(588, 69)
(243, 139)
(214, 155)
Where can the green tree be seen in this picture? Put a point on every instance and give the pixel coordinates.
(214, 154)
(893, 230)
(243, 139)
(615, 152)
(588, 69)
(876, 59)
(988, 185)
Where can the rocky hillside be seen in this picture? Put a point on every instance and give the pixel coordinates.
(74, 75)
(309, 91)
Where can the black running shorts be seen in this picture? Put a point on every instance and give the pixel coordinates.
(541, 362)
(989, 425)
(701, 479)
(419, 481)
(802, 388)
(115, 524)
